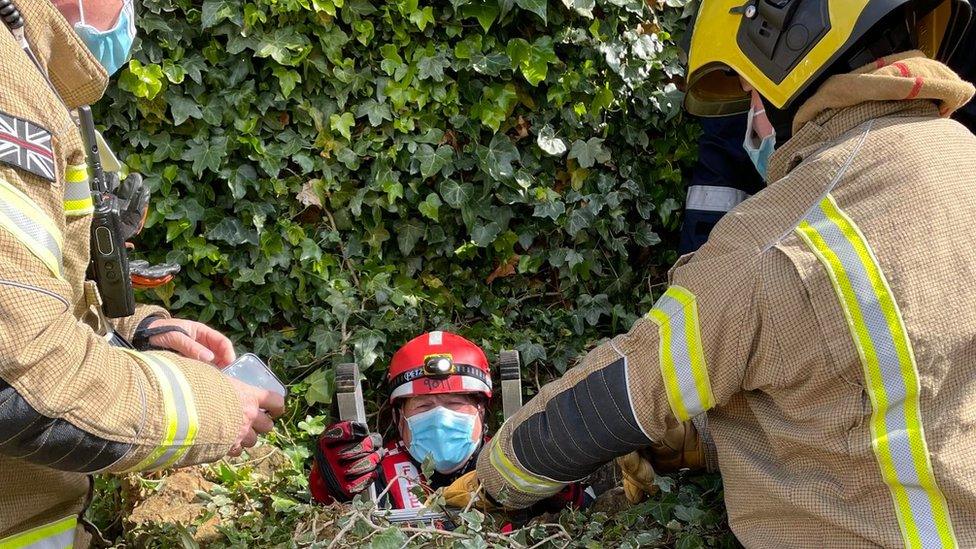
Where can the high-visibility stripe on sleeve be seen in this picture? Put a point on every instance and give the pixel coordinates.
(518, 477)
(55, 535)
(77, 191)
(681, 356)
(890, 371)
(27, 222)
(181, 421)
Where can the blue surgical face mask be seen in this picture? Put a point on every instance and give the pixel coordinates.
(759, 155)
(444, 435)
(110, 47)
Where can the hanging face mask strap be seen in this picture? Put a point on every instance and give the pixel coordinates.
(81, 12)
(750, 139)
(753, 139)
(129, 8)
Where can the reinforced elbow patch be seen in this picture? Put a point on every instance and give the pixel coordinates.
(56, 443)
(581, 428)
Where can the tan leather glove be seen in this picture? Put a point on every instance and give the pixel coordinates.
(638, 477)
(467, 486)
(680, 448)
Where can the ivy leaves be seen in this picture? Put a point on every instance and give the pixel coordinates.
(589, 152)
(498, 157)
(433, 160)
(533, 59)
(206, 154)
(337, 175)
(537, 7)
(549, 143)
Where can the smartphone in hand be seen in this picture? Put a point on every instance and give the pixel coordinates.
(250, 369)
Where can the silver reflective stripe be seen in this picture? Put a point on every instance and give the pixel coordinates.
(681, 356)
(709, 198)
(182, 418)
(77, 191)
(890, 370)
(38, 235)
(31, 226)
(180, 421)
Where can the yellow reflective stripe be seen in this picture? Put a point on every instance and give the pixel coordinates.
(77, 192)
(23, 218)
(56, 535)
(180, 418)
(189, 415)
(681, 355)
(79, 207)
(76, 173)
(890, 371)
(518, 477)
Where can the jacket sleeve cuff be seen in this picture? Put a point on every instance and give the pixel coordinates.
(219, 411)
(126, 327)
(195, 416)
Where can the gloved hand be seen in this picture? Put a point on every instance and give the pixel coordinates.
(133, 201)
(347, 457)
(467, 486)
(638, 477)
(680, 448)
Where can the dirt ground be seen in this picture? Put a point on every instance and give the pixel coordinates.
(175, 500)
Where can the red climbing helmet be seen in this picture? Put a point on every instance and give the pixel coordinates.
(438, 363)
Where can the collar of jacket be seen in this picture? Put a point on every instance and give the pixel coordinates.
(907, 82)
(77, 76)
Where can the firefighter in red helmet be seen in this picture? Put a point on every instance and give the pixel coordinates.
(440, 388)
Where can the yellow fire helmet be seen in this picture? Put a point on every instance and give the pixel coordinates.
(781, 47)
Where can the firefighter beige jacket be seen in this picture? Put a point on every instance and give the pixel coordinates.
(828, 329)
(69, 403)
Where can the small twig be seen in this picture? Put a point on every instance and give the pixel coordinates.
(342, 249)
(472, 499)
(410, 539)
(553, 537)
(349, 526)
(388, 486)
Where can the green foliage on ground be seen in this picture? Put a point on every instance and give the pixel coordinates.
(249, 508)
(337, 176)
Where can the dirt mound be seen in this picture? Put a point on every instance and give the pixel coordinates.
(174, 501)
(264, 460)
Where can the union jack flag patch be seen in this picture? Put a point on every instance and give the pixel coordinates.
(26, 146)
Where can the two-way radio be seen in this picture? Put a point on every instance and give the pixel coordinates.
(109, 266)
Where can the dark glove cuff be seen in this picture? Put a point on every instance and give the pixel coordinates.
(333, 485)
(140, 339)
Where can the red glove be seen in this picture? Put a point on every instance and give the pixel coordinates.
(346, 459)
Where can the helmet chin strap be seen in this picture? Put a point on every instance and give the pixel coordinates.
(893, 37)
